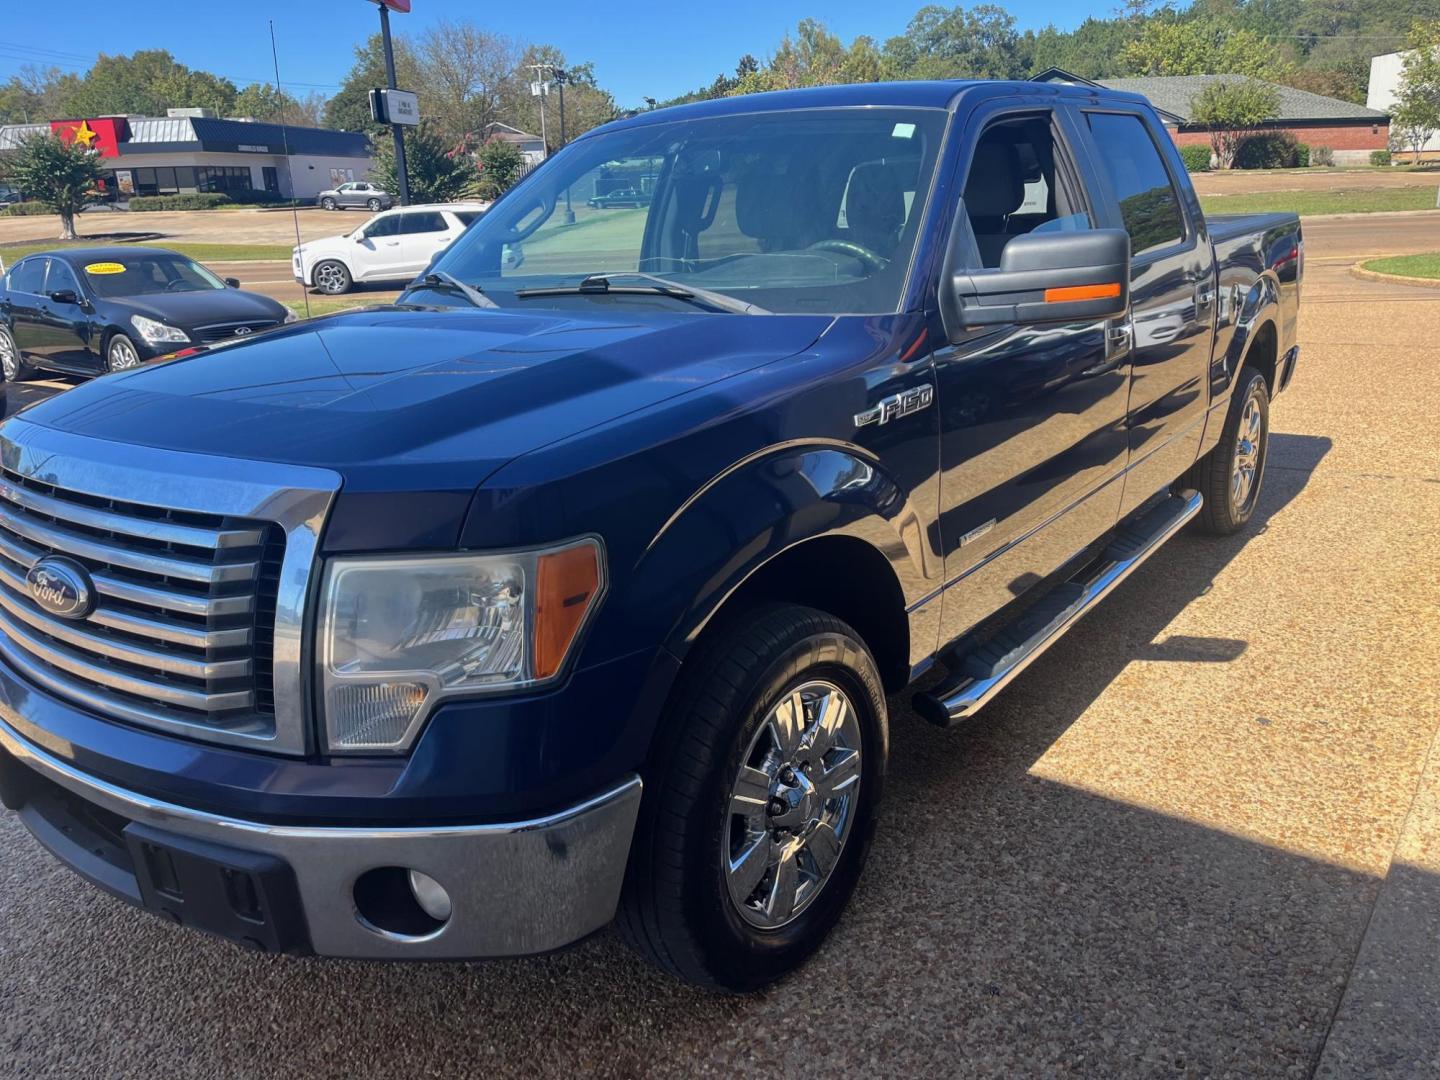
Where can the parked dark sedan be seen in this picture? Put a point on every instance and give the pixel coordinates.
(631, 197)
(90, 310)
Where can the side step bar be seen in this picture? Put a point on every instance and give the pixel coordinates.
(982, 674)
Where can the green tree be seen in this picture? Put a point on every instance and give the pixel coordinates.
(465, 75)
(1202, 46)
(63, 177)
(146, 83)
(586, 104)
(35, 95)
(501, 165)
(1232, 110)
(349, 109)
(955, 43)
(436, 170)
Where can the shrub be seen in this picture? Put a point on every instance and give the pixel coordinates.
(1196, 158)
(256, 197)
(31, 208)
(199, 200)
(1302, 156)
(1379, 157)
(1322, 155)
(1267, 150)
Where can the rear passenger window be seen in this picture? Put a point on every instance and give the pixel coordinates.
(1149, 203)
(422, 221)
(28, 277)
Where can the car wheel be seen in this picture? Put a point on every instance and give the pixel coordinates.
(12, 365)
(327, 203)
(332, 277)
(373, 205)
(760, 802)
(1230, 475)
(121, 354)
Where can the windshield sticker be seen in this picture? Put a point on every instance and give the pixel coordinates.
(903, 131)
(105, 268)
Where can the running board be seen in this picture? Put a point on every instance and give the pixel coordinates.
(980, 675)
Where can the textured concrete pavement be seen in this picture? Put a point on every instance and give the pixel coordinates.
(1196, 838)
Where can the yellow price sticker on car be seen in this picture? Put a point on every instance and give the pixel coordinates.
(105, 268)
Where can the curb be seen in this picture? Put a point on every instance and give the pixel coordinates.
(1394, 279)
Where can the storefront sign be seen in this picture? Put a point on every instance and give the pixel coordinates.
(125, 181)
(104, 134)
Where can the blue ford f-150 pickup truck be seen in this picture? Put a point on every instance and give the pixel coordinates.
(573, 585)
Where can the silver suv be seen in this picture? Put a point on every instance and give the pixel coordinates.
(356, 193)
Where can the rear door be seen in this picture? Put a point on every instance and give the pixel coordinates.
(423, 233)
(29, 306)
(1172, 296)
(1033, 441)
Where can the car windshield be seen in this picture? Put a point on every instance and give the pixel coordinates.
(136, 273)
(803, 211)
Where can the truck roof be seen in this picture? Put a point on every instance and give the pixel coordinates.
(935, 94)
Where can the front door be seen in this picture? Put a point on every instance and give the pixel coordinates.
(378, 254)
(67, 340)
(1172, 301)
(272, 179)
(1033, 438)
(29, 305)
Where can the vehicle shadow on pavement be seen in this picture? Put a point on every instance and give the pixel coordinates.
(1007, 924)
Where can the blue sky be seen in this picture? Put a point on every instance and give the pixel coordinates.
(655, 49)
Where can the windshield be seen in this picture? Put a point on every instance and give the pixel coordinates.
(136, 274)
(805, 211)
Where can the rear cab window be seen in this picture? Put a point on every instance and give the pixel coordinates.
(1148, 201)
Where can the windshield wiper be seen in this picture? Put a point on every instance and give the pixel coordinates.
(600, 284)
(439, 279)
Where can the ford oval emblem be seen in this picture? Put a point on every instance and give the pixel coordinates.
(61, 587)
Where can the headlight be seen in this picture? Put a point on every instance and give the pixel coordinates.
(157, 332)
(398, 634)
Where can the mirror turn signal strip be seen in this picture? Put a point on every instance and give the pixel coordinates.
(1083, 292)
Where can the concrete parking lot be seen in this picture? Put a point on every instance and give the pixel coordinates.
(1198, 837)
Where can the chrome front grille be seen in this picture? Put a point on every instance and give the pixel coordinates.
(199, 596)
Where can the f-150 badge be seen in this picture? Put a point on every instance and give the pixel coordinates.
(897, 405)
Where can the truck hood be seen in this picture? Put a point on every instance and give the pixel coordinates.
(403, 398)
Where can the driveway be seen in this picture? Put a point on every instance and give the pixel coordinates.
(1197, 837)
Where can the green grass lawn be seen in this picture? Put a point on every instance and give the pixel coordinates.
(200, 252)
(1422, 266)
(329, 307)
(1348, 201)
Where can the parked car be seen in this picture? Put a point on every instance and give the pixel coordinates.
(393, 246)
(620, 197)
(456, 627)
(86, 311)
(9, 195)
(359, 193)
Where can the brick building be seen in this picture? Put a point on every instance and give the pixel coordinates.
(1350, 130)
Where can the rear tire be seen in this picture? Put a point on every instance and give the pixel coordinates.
(807, 795)
(373, 205)
(12, 365)
(1230, 475)
(332, 277)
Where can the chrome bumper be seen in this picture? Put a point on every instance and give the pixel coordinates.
(517, 888)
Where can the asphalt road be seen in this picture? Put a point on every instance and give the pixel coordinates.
(1196, 838)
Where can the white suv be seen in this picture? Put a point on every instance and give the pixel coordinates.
(393, 246)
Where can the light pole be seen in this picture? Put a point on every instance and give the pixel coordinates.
(560, 77)
(402, 176)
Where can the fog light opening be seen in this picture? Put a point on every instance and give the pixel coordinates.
(401, 903)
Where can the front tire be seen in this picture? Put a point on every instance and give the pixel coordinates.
(12, 364)
(121, 354)
(332, 277)
(760, 801)
(1230, 475)
(327, 204)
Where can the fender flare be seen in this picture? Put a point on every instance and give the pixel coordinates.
(773, 502)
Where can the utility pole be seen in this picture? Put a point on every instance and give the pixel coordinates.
(541, 89)
(402, 175)
(560, 78)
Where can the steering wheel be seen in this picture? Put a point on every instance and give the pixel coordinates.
(176, 285)
(871, 260)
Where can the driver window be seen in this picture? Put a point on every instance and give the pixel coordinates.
(60, 278)
(383, 226)
(1015, 187)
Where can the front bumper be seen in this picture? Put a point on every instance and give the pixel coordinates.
(516, 888)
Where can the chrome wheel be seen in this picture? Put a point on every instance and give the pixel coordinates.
(121, 354)
(330, 277)
(792, 805)
(327, 204)
(9, 358)
(373, 204)
(1248, 457)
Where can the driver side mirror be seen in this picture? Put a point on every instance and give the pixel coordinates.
(232, 282)
(64, 296)
(1044, 277)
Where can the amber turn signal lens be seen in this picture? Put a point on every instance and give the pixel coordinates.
(1083, 292)
(567, 583)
